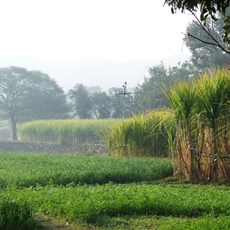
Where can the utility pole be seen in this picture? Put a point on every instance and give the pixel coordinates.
(123, 91)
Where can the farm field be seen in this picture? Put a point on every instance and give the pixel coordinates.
(26, 170)
(99, 192)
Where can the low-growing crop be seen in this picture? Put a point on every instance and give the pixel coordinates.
(221, 222)
(91, 203)
(153, 222)
(25, 170)
(91, 191)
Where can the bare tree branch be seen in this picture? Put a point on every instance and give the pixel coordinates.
(214, 43)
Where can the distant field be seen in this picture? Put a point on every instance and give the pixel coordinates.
(100, 192)
(67, 132)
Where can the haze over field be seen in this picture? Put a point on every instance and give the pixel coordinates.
(93, 42)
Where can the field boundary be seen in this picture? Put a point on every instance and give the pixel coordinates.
(19, 146)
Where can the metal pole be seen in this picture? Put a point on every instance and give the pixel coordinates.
(124, 92)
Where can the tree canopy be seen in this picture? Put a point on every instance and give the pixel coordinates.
(101, 105)
(206, 56)
(150, 94)
(29, 95)
(208, 9)
(81, 101)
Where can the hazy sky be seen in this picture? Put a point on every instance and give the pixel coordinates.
(85, 41)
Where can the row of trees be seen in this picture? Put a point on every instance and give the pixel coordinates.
(100, 104)
(32, 95)
(150, 93)
(115, 104)
(206, 56)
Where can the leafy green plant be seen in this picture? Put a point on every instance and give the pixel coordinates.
(90, 203)
(25, 170)
(72, 187)
(200, 223)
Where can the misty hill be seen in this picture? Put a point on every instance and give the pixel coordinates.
(103, 73)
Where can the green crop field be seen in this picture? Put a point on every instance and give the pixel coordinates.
(25, 170)
(66, 132)
(100, 192)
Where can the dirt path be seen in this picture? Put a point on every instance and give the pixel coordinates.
(45, 223)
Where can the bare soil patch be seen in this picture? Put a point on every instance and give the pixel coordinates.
(46, 223)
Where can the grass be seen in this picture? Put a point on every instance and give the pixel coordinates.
(15, 214)
(201, 112)
(66, 132)
(142, 135)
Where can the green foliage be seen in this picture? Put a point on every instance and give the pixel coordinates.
(206, 56)
(204, 101)
(26, 95)
(201, 110)
(207, 9)
(165, 222)
(214, 98)
(45, 99)
(82, 104)
(67, 132)
(182, 98)
(200, 223)
(15, 215)
(122, 106)
(91, 203)
(101, 105)
(151, 94)
(25, 170)
(143, 135)
(107, 206)
(89, 102)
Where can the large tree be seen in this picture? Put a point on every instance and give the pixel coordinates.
(26, 95)
(82, 104)
(101, 105)
(207, 9)
(122, 102)
(150, 94)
